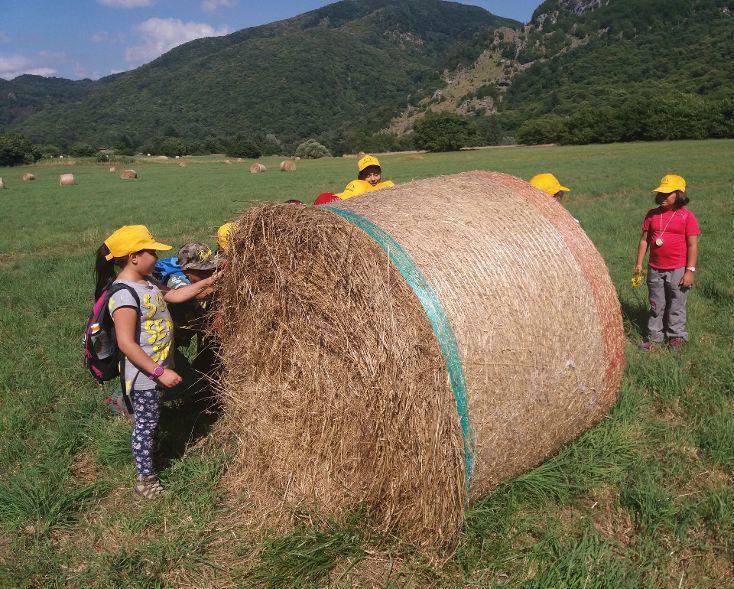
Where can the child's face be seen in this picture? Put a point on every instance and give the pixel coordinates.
(144, 261)
(665, 200)
(373, 177)
(195, 276)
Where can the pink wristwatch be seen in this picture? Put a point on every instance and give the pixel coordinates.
(158, 372)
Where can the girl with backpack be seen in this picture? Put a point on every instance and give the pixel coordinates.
(143, 331)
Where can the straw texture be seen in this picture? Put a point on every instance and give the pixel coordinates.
(335, 384)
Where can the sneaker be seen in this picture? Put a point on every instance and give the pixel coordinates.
(648, 346)
(149, 487)
(676, 343)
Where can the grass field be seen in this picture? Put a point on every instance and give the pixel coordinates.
(645, 499)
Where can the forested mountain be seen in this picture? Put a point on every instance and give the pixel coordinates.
(603, 70)
(345, 68)
(580, 71)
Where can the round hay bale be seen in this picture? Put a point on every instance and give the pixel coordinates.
(360, 155)
(297, 159)
(410, 359)
(288, 166)
(181, 164)
(113, 169)
(257, 168)
(227, 161)
(67, 180)
(27, 177)
(128, 175)
(2, 184)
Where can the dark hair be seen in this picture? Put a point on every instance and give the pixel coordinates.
(368, 170)
(681, 199)
(104, 271)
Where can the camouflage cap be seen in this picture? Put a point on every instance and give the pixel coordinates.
(197, 256)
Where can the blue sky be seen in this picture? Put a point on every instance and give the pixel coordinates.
(95, 38)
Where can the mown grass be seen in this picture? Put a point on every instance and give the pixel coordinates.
(642, 500)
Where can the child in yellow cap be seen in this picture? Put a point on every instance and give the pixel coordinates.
(144, 335)
(670, 233)
(549, 184)
(369, 178)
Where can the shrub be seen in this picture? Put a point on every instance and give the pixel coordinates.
(312, 149)
(240, 146)
(50, 151)
(82, 150)
(548, 129)
(16, 149)
(444, 132)
(171, 146)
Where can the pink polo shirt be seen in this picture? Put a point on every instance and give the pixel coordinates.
(673, 227)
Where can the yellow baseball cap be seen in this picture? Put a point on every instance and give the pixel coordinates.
(367, 161)
(548, 183)
(223, 235)
(130, 239)
(671, 183)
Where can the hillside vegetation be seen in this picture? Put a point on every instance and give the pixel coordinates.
(342, 70)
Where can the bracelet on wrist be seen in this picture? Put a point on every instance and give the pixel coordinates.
(158, 372)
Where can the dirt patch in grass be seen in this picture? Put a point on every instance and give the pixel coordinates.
(609, 518)
(84, 468)
(704, 566)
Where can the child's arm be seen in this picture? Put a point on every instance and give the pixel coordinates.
(641, 251)
(188, 292)
(691, 259)
(125, 320)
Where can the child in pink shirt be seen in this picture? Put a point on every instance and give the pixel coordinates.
(670, 233)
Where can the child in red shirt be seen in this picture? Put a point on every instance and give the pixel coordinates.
(670, 232)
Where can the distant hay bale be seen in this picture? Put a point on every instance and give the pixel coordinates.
(227, 161)
(27, 177)
(410, 359)
(2, 184)
(297, 159)
(67, 180)
(288, 166)
(181, 164)
(128, 175)
(257, 168)
(361, 154)
(113, 169)
(161, 157)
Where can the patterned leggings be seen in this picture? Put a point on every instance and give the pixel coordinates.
(146, 413)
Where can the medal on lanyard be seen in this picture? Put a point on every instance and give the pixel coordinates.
(659, 241)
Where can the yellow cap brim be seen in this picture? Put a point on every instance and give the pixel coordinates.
(665, 189)
(564, 189)
(156, 245)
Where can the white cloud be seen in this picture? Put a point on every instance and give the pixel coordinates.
(158, 35)
(16, 65)
(213, 5)
(126, 3)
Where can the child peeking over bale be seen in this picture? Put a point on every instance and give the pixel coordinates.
(549, 184)
(369, 178)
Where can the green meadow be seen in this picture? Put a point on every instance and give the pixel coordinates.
(644, 500)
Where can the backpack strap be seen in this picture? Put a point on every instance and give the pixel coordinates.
(117, 287)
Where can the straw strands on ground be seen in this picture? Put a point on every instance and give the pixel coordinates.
(67, 180)
(410, 359)
(128, 175)
(257, 168)
(27, 177)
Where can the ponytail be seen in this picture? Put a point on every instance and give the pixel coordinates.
(104, 271)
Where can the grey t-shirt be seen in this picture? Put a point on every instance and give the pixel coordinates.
(156, 330)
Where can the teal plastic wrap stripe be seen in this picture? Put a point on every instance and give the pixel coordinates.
(437, 316)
